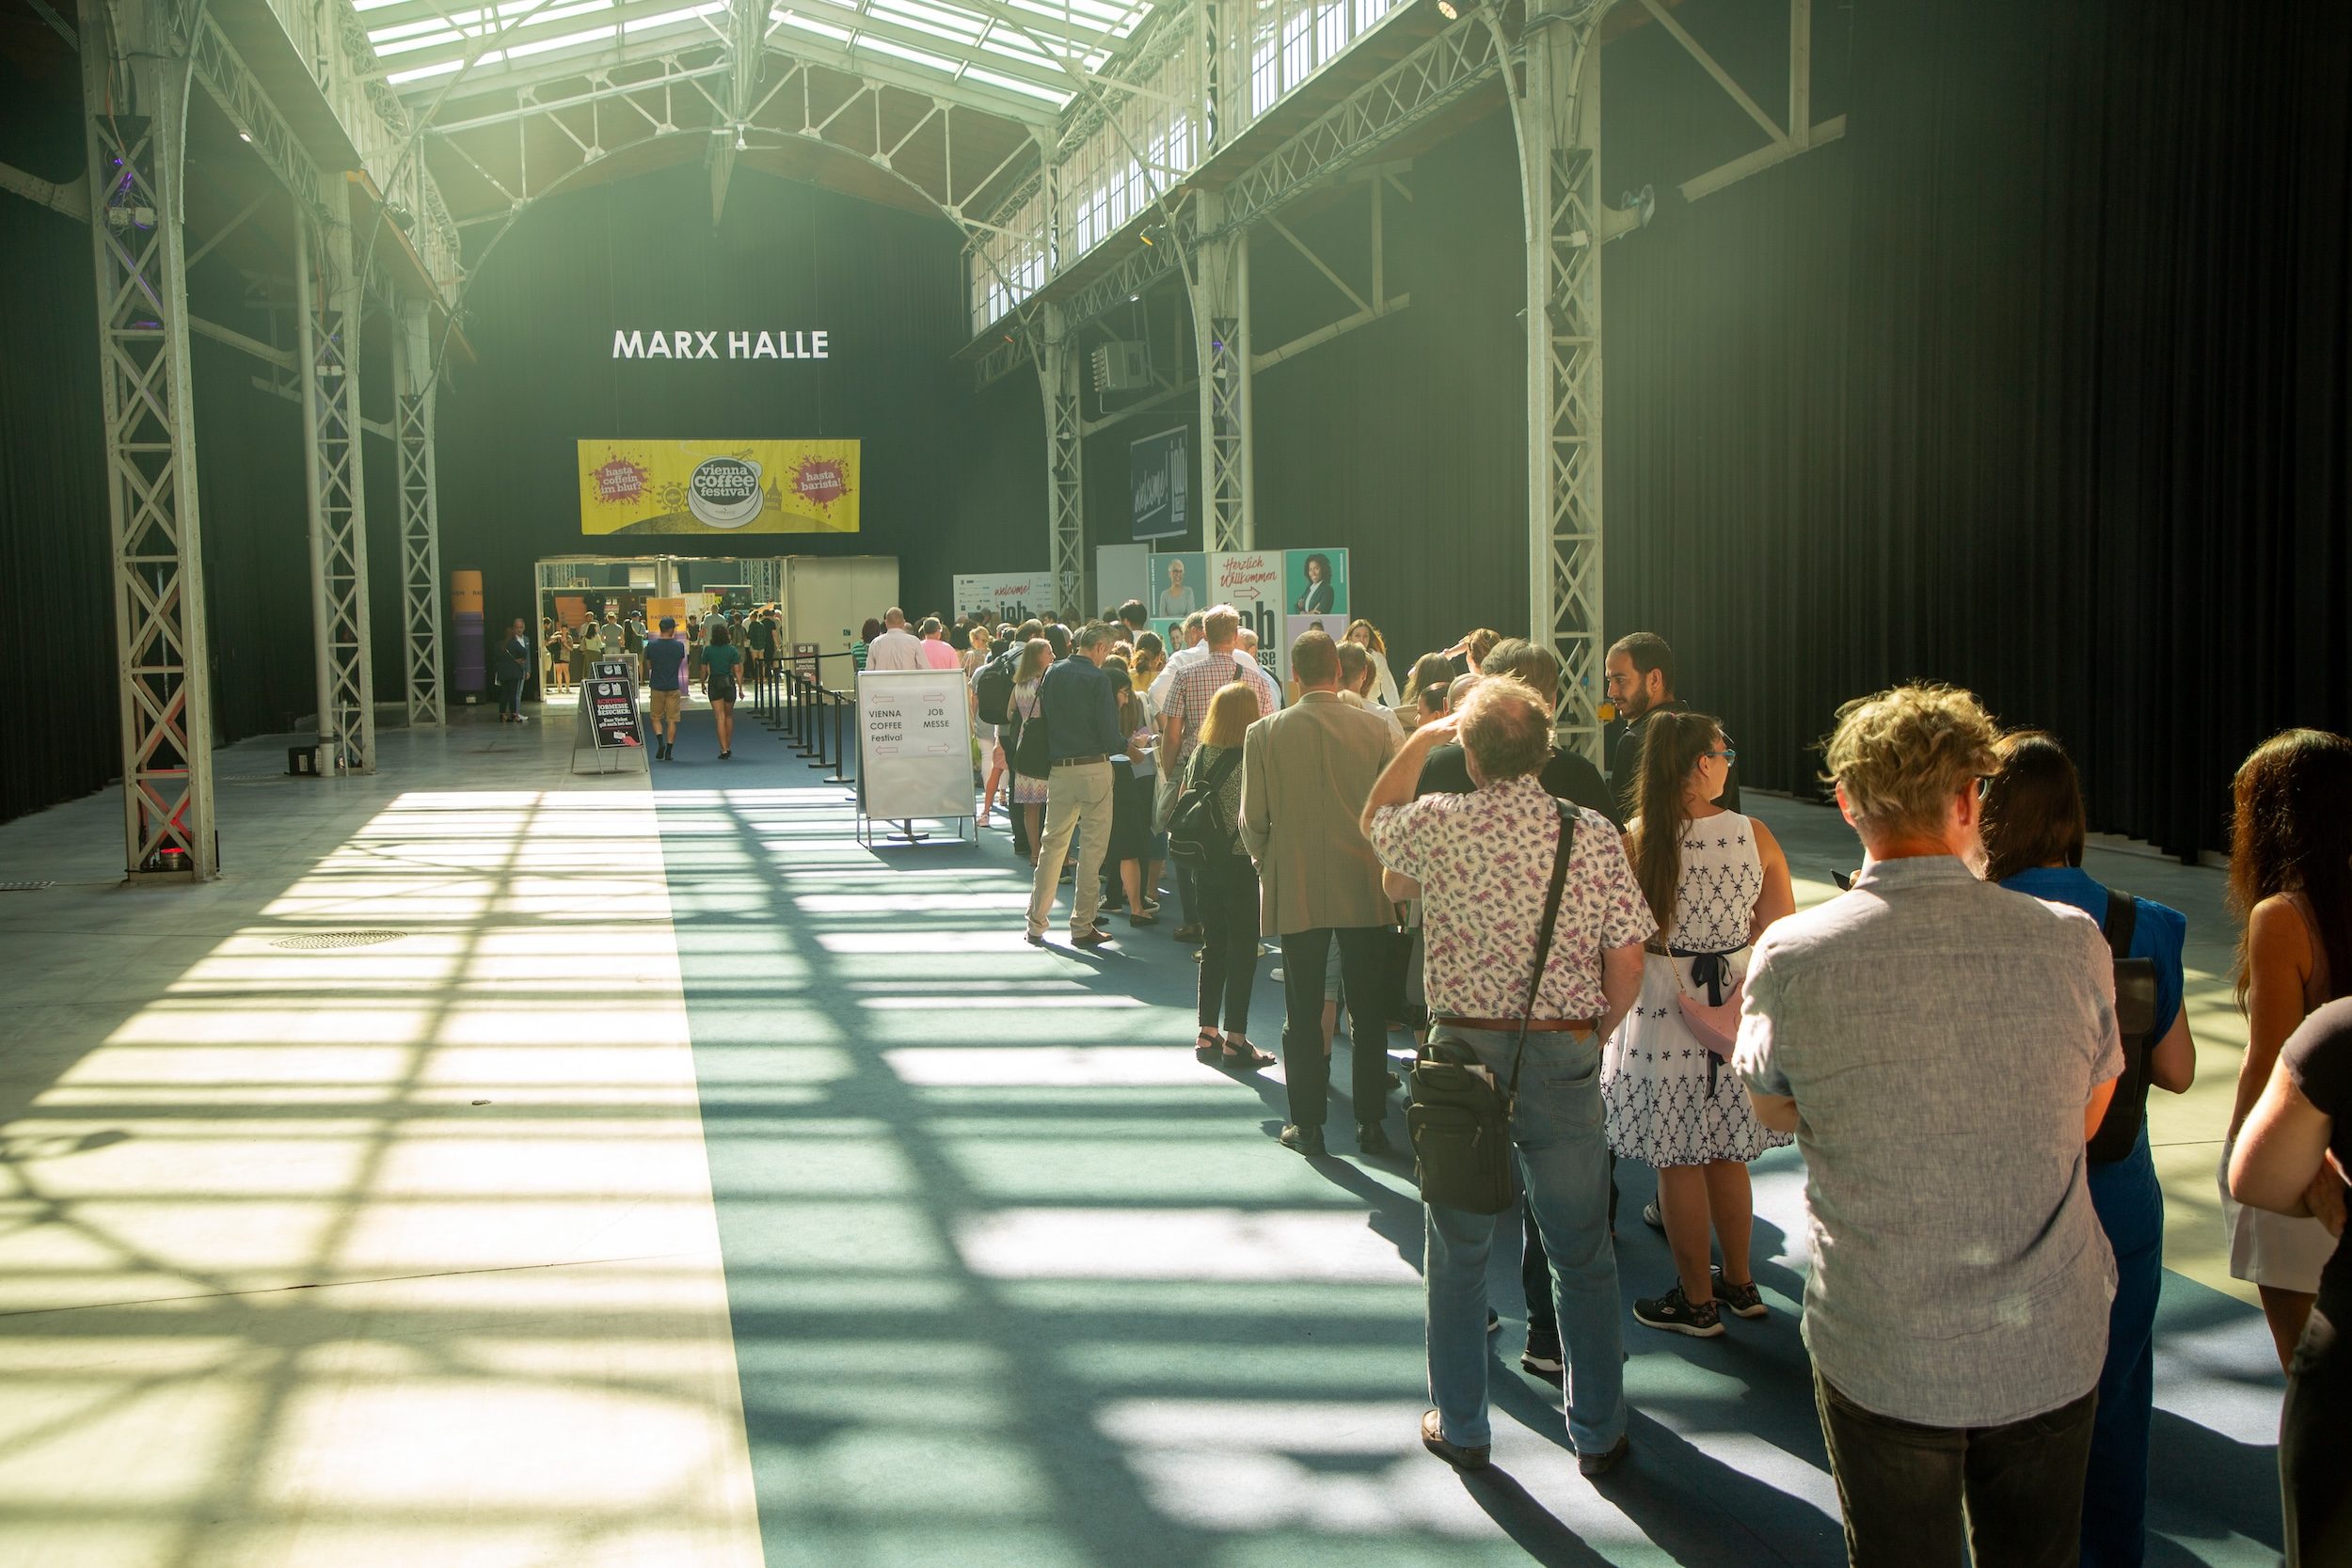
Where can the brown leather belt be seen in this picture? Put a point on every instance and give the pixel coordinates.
(1511, 1025)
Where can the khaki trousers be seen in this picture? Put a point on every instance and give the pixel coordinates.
(1077, 800)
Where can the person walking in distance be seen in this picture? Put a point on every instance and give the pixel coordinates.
(662, 666)
(1304, 771)
(938, 652)
(514, 670)
(1081, 720)
(2291, 883)
(1942, 1048)
(1483, 865)
(723, 665)
(1639, 670)
(1714, 880)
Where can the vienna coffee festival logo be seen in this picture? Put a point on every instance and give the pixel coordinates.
(725, 491)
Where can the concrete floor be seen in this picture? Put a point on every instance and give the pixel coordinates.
(665, 1180)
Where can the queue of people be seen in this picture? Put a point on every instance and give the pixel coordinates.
(1960, 1046)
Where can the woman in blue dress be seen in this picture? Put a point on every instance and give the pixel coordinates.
(2034, 830)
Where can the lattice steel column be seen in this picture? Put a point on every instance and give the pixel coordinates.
(420, 513)
(329, 316)
(1058, 368)
(1559, 127)
(1220, 317)
(133, 94)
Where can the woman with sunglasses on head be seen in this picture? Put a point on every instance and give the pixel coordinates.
(2034, 830)
(1714, 879)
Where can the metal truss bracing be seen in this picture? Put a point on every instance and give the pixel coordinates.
(1433, 75)
(1559, 127)
(1220, 315)
(1059, 367)
(329, 316)
(133, 125)
(420, 514)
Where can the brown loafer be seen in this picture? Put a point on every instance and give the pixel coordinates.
(1093, 938)
(1453, 1453)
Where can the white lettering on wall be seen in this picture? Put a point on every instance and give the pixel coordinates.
(695, 343)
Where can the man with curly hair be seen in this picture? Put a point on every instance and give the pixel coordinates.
(1942, 1048)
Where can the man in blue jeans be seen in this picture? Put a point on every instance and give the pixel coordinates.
(1483, 865)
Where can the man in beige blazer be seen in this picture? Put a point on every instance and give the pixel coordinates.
(1305, 774)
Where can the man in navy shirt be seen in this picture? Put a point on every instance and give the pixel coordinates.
(664, 664)
(1082, 732)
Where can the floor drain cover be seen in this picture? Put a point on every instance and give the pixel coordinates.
(326, 942)
(24, 887)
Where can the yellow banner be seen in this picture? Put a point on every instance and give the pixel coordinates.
(718, 487)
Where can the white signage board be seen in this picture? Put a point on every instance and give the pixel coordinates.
(1121, 571)
(1012, 596)
(914, 744)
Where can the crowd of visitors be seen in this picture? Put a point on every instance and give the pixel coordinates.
(1960, 1046)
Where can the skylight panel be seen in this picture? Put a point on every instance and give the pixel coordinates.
(1011, 84)
(946, 23)
(542, 46)
(810, 25)
(664, 19)
(441, 69)
(900, 52)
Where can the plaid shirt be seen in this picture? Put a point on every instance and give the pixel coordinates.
(1197, 685)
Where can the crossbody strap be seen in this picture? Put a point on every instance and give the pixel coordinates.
(1542, 936)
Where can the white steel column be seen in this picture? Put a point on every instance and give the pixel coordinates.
(134, 93)
(420, 513)
(329, 316)
(1220, 326)
(1559, 131)
(1059, 368)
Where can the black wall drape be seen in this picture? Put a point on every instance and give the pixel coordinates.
(2037, 383)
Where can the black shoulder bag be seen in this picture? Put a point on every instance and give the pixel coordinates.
(1459, 1120)
(2136, 1016)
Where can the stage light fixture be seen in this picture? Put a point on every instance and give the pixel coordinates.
(1446, 9)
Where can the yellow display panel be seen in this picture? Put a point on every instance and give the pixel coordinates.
(718, 487)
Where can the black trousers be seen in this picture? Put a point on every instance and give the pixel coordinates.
(1305, 1068)
(2310, 1445)
(1922, 1497)
(511, 695)
(1226, 904)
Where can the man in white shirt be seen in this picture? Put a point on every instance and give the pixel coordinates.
(896, 648)
(1195, 646)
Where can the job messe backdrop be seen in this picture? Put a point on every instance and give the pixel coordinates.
(704, 487)
(1280, 593)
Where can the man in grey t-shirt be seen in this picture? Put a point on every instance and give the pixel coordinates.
(1942, 1048)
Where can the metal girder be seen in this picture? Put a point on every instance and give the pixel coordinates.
(328, 314)
(133, 121)
(250, 108)
(1558, 122)
(1220, 330)
(413, 381)
(1058, 365)
(1433, 75)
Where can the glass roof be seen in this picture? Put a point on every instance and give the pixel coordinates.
(1016, 47)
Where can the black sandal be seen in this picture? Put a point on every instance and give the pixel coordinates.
(1208, 1044)
(1247, 1055)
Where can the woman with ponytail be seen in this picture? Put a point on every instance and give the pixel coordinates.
(1714, 879)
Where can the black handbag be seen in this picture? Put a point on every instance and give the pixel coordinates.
(2135, 1020)
(1459, 1120)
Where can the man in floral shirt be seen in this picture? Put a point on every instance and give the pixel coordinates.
(1484, 863)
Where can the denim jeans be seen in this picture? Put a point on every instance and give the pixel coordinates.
(2130, 1204)
(1557, 1126)
(511, 695)
(1903, 1485)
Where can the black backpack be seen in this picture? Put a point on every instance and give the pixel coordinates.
(992, 690)
(1197, 834)
(2136, 1016)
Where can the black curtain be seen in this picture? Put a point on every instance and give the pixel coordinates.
(2040, 382)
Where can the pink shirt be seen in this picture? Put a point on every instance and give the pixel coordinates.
(939, 654)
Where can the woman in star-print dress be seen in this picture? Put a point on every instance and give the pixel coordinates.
(1714, 879)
